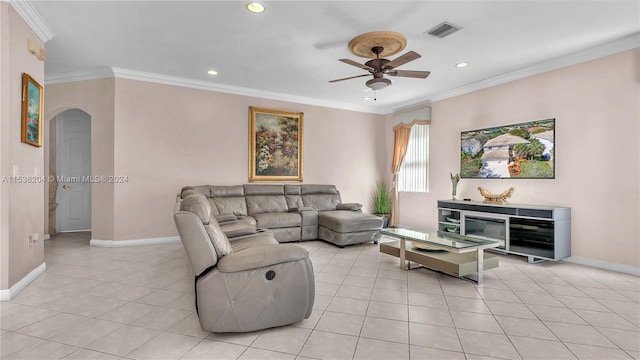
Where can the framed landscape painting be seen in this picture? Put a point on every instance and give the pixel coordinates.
(31, 111)
(275, 145)
(518, 151)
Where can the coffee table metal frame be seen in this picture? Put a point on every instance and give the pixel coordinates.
(440, 240)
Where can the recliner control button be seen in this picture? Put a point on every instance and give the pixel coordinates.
(270, 275)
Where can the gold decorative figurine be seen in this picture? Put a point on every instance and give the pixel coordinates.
(490, 198)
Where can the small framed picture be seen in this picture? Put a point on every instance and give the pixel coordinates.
(31, 111)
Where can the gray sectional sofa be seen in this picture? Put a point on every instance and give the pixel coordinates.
(292, 212)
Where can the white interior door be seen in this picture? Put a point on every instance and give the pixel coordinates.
(73, 163)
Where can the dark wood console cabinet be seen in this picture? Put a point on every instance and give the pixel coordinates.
(538, 232)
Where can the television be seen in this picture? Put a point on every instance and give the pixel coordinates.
(518, 151)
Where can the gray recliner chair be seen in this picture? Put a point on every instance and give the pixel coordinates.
(245, 283)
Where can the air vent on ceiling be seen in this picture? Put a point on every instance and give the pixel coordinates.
(443, 30)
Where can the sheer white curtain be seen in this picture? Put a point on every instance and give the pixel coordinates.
(412, 176)
(402, 135)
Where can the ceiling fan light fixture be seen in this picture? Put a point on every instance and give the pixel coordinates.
(378, 83)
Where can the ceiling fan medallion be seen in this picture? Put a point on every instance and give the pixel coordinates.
(392, 43)
(375, 45)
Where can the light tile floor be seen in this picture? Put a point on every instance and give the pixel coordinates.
(137, 303)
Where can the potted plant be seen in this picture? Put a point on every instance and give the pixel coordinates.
(382, 202)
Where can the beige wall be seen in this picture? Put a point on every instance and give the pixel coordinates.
(95, 97)
(21, 204)
(596, 107)
(166, 137)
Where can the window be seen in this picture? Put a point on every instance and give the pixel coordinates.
(412, 176)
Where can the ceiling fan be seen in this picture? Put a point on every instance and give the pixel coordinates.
(379, 67)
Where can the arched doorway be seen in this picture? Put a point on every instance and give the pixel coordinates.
(70, 165)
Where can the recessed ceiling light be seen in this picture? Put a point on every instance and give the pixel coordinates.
(462, 64)
(366, 98)
(212, 72)
(255, 7)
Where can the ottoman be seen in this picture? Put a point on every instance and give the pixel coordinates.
(344, 227)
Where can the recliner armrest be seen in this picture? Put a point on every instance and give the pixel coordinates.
(349, 206)
(226, 218)
(261, 256)
(234, 229)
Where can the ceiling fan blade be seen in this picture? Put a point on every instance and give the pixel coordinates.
(410, 56)
(356, 64)
(347, 78)
(409, 73)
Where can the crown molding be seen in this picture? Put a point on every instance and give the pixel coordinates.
(614, 47)
(102, 73)
(120, 73)
(236, 90)
(31, 16)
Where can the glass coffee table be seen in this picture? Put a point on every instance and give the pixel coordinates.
(433, 240)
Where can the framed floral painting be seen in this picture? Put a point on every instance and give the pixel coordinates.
(31, 111)
(275, 145)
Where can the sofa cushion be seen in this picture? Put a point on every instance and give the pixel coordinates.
(293, 195)
(231, 205)
(218, 238)
(229, 199)
(278, 220)
(188, 192)
(214, 207)
(320, 197)
(318, 189)
(204, 189)
(197, 204)
(321, 202)
(258, 204)
(265, 199)
(344, 221)
(226, 191)
(262, 189)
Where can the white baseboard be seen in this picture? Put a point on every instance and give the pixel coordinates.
(623, 268)
(135, 242)
(8, 294)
